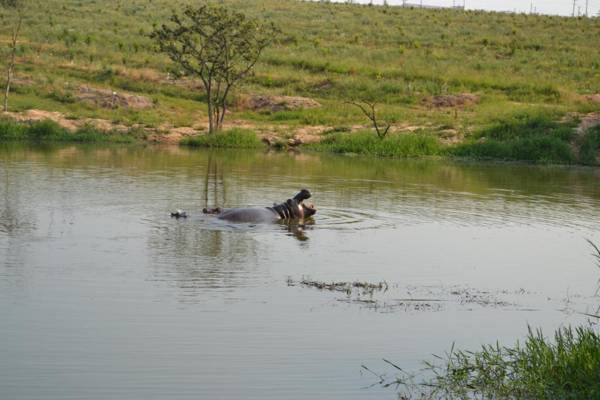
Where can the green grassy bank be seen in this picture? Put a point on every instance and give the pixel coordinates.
(48, 131)
(517, 65)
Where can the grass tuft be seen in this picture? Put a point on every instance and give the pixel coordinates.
(567, 367)
(235, 138)
(400, 146)
(50, 131)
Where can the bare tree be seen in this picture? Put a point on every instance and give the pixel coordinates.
(16, 7)
(368, 108)
(217, 45)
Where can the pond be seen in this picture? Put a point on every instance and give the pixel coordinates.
(104, 296)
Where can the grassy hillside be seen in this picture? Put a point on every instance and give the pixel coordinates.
(516, 64)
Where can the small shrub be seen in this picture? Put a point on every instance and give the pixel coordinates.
(235, 138)
(44, 130)
(407, 145)
(590, 147)
(50, 131)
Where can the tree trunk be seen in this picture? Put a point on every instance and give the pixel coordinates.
(11, 63)
(211, 124)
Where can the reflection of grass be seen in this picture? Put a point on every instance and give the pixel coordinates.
(236, 138)
(49, 131)
(408, 145)
(536, 138)
(566, 368)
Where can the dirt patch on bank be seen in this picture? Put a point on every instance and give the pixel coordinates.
(107, 98)
(452, 100)
(276, 103)
(587, 122)
(592, 98)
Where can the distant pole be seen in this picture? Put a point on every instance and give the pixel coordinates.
(574, 5)
(587, 8)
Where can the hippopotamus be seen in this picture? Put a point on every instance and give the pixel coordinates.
(292, 209)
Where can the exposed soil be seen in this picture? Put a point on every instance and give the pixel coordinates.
(111, 99)
(594, 98)
(452, 100)
(278, 136)
(276, 103)
(587, 122)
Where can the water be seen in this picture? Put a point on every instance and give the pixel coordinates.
(104, 296)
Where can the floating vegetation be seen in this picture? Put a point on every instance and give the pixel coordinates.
(383, 297)
(363, 288)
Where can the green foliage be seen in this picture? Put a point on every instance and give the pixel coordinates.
(216, 44)
(567, 367)
(589, 150)
(15, 4)
(50, 131)
(235, 138)
(406, 145)
(537, 138)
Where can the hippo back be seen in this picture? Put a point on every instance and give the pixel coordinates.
(249, 215)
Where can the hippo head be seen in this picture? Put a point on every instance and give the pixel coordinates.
(308, 210)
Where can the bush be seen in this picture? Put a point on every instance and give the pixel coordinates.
(406, 145)
(50, 131)
(588, 152)
(235, 138)
(536, 138)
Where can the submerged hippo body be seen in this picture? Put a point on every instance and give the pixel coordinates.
(249, 215)
(290, 210)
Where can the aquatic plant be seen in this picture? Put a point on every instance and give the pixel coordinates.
(345, 287)
(567, 367)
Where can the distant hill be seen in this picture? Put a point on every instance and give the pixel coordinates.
(330, 52)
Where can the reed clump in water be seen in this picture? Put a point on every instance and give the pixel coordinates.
(567, 367)
(564, 367)
(345, 287)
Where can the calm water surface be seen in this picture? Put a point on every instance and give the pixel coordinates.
(104, 296)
